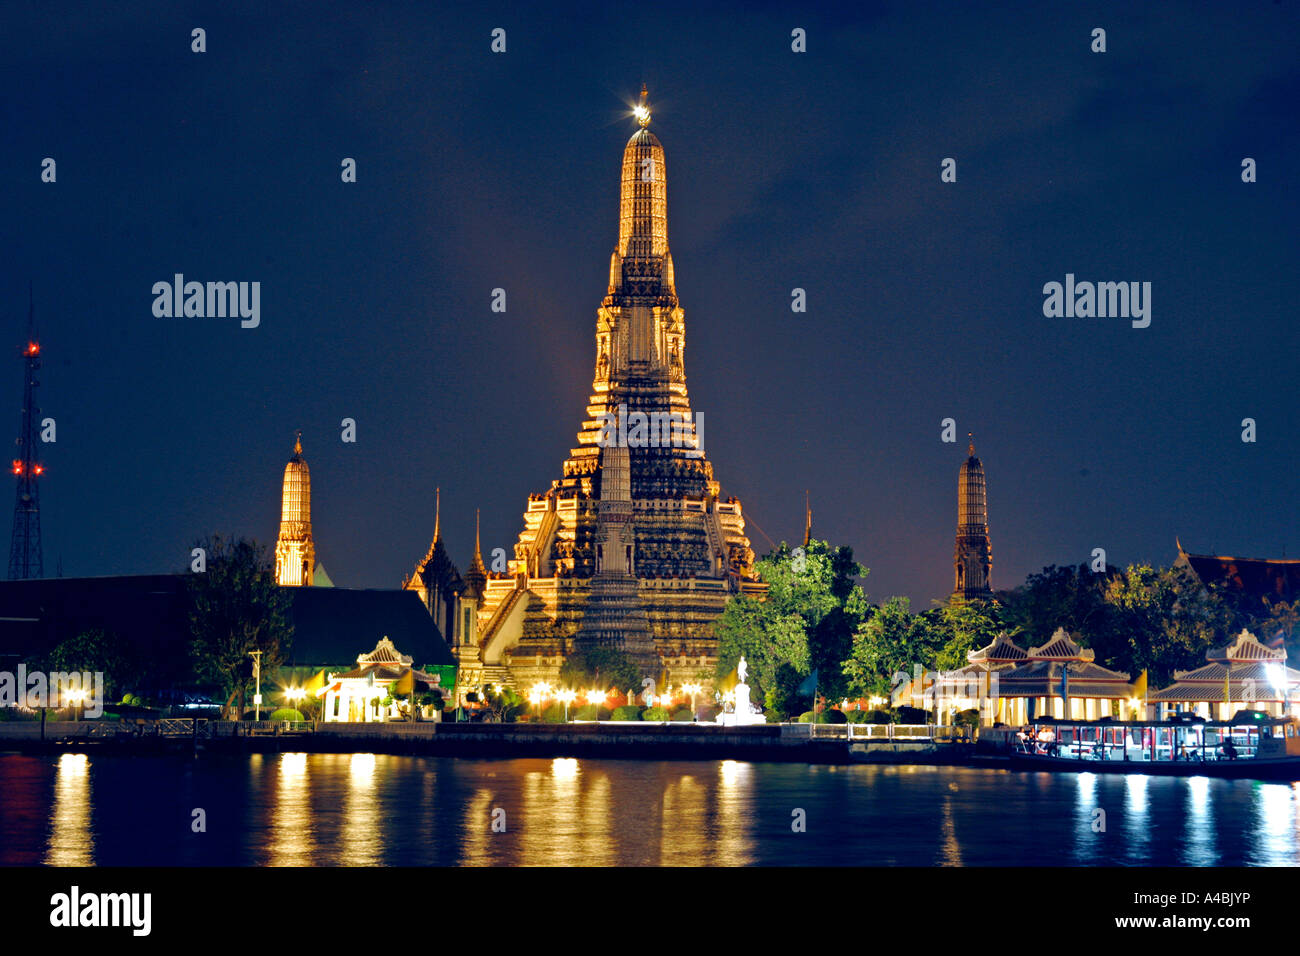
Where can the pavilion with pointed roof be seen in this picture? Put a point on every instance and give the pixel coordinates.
(1009, 684)
(1243, 674)
(358, 695)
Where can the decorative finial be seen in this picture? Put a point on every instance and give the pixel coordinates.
(970, 449)
(641, 111)
(478, 552)
(437, 514)
(297, 442)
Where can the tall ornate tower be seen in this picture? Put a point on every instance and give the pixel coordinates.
(25, 559)
(973, 558)
(689, 549)
(295, 552)
(615, 617)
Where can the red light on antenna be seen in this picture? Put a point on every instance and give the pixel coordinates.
(33, 348)
(18, 467)
(39, 469)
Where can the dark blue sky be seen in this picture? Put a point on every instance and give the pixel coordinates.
(818, 170)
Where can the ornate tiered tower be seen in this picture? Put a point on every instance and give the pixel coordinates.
(690, 553)
(295, 553)
(614, 616)
(973, 558)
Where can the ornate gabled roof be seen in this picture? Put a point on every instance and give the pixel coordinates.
(1061, 647)
(1245, 647)
(385, 653)
(1002, 649)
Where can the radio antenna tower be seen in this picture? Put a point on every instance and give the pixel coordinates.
(25, 546)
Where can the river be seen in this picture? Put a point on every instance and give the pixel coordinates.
(374, 809)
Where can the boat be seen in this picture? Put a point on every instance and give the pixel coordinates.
(1252, 745)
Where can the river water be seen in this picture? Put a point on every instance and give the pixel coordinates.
(375, 809)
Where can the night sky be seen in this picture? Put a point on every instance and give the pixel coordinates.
(818, 170)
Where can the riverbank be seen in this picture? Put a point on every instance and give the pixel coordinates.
(800, 743)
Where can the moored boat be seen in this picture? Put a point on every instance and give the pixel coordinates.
(1250, 745)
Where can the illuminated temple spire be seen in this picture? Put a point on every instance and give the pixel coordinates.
(295, 553)
(633, 547)
(476, 577)
(973, 557)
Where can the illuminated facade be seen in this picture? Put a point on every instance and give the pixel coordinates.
(689, 551)
(973, 556)
(295, 553)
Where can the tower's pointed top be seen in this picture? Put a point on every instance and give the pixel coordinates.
(641, 110)
(970, 448)
(476, 577)
(807, 523)
(297, 442)
(437, 515)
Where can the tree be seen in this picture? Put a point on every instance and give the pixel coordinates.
(600, 668)
(98, 651)
(767, 639)
(504, 705)
(236, 608)
(964, 626)
(812, 609)
(1073, 598)
(1169, 620)
(892, 640)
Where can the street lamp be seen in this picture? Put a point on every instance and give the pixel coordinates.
(537, 695)
(1277, 676)
(567, 696)
(597, 700)
(76, 697)
(257, 675)
(692, 690)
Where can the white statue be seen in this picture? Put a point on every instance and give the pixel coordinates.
(743, 712)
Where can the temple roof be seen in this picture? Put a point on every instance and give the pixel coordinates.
(1061, 647)
(1273, 578)
(1002, 650)
(384, 653)
(1245, 647)
(1042, 678)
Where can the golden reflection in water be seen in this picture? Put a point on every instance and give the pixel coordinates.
(361, 838)
(682, 835)
(598, 845)
(730, 841)
(552, 832)
(71, 841)
(951, 855)
(477, 841)
(292, 838)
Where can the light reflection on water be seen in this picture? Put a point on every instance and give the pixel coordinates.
(72, 842)
(364, 809)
